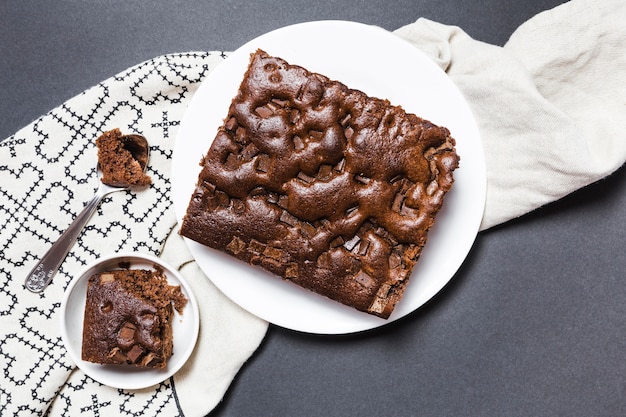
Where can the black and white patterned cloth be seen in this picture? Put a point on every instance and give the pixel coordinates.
(549, 106)
(48, 174)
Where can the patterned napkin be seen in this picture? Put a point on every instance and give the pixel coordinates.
(48, 174)
(549, 105)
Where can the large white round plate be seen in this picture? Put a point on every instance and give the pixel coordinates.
(380, 64)
(185, 326)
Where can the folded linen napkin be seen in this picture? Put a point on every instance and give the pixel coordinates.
(549, 105)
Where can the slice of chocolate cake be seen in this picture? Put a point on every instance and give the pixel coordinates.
(128, 318)
(322, 185)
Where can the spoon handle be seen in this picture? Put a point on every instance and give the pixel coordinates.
(42, 273)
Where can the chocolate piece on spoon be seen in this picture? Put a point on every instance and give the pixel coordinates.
(123, 159)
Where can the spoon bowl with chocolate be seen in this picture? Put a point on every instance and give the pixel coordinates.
(122, 162)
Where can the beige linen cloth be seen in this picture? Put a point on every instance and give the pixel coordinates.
(550, 105)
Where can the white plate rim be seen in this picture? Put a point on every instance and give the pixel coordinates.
(286, 42)
(120, 376)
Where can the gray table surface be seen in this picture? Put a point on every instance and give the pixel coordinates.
(533, 323)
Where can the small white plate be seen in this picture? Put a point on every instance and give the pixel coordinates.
(185, 326)
(382, 65)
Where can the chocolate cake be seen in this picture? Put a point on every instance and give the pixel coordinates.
(321, 185)
(128, 318)
(122, 159)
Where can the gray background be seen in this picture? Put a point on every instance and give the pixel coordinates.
(534, 322)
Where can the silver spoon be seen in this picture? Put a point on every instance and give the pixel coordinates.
(41, 275)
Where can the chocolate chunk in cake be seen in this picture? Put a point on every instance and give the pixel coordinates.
(128, 318)
(322, 185)
(122, 159)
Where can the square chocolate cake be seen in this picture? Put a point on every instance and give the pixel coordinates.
(128, 318)
(321, 185)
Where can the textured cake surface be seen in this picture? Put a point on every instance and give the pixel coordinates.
(128, 318)
(121, 166)
(322, 185)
